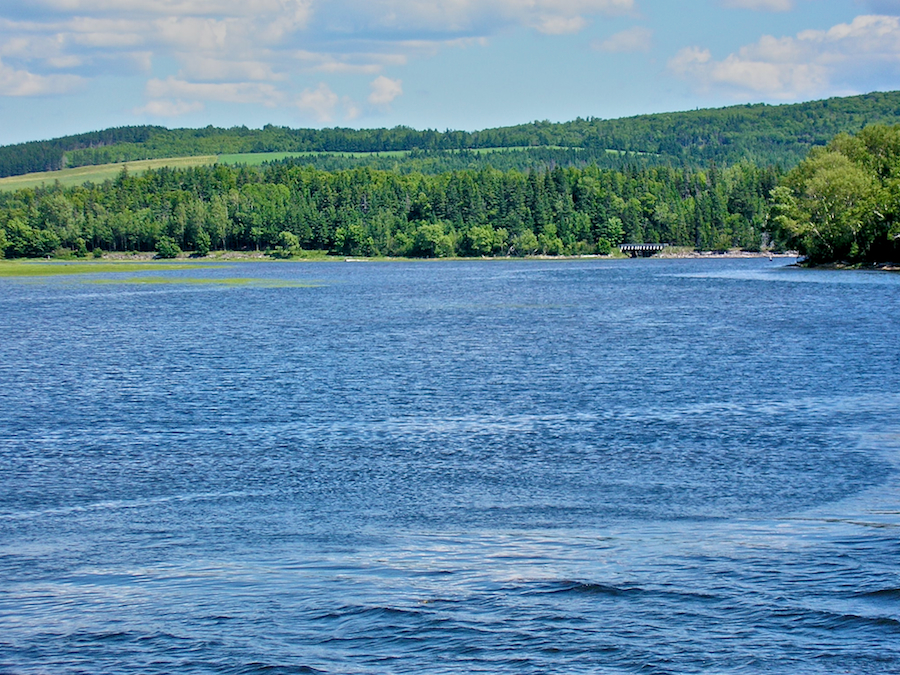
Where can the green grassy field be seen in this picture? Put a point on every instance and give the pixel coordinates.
(98, 174)
(102, 172)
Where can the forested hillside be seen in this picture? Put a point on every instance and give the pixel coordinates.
(763, 134)
(52, 155)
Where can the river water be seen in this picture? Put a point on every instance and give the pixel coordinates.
(591, 466)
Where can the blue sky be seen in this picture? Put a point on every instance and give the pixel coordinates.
(69, 66)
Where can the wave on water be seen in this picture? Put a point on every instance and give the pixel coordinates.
(659, 467)
(882, 594)
(120, 504)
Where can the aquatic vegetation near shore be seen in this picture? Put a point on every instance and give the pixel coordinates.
(159, 270)
(232, 281)
(19, 268)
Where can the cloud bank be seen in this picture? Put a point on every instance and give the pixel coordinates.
(810, 63)
(761, 5)
(259, 52)
(636, 39)
(330, 61)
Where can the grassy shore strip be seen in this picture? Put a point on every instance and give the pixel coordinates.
(190, 281)
(99, 173)
(52, 268)
(146, 261)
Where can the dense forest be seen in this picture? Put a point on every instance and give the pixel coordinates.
(762, 134)
(842, 203)
(520, 159)
(287, 207)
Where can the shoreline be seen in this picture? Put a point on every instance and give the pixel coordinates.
(259, 256)
(859, 267)
(672, 253)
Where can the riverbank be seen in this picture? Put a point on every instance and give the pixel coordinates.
(878, 266)
(668, 253)
(684, 252)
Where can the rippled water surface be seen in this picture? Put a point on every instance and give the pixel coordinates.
(465, 467)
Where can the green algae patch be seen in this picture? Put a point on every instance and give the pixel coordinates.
(15, 268)
(207, 281)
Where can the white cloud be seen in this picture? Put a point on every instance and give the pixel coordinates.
(559, 25)
(473, 17)
(203, 35)
(221, 70)
(65, 62)
(636, 39)
(761, 5)
(295, 10)
(439, 14)
(169, 108)
(344, 68)
(384, 90)
(102, 33)
(808, 64)
(321, 102)
(228, 92)
(142, 61)
(429, 48)
(353, 64)
(29, 46)
(351, 110)
(15, 82)
(689, 61)
(260, 52)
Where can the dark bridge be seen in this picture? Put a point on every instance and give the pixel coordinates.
(641, 250)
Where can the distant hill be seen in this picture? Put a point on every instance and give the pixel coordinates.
(763, 134)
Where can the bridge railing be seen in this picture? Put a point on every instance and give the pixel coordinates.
(642, 250)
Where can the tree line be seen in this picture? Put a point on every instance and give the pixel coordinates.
(288, 207)
(762, 134)
(841, 203)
